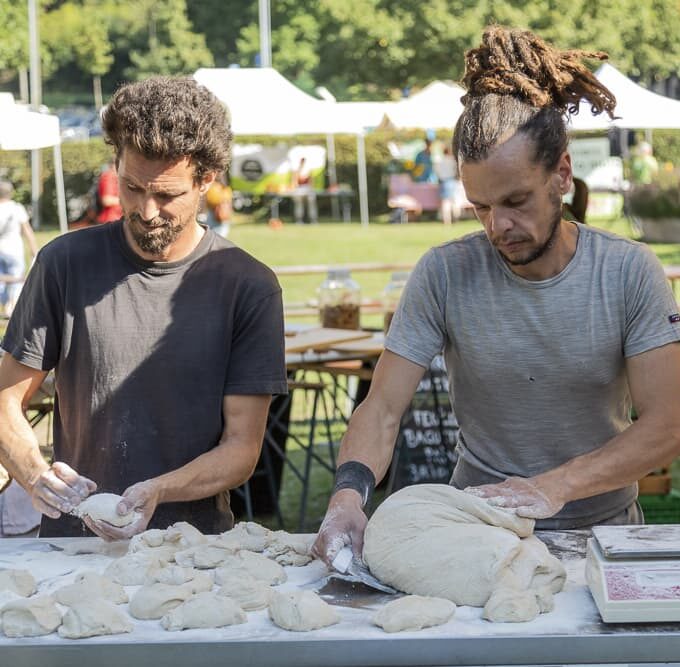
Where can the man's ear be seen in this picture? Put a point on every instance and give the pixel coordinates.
(206, 181)
(564, 172)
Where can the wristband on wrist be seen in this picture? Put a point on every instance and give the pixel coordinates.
(357, 476)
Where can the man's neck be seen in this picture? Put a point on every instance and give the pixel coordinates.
(182, 247)
(556, 257)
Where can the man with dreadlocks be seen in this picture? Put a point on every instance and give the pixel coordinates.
(550, 329)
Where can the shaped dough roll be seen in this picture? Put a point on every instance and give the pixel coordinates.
(205, 610)
(30, 617)
(414, 612)
(300, 611)
(93, 618)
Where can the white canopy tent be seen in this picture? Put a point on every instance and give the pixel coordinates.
(636, 106)
(436, 106)
(21, 129)
(262, 101)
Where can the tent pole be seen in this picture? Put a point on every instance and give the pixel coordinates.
(363, 181)
(35, 188)
(332, 174)
(59, 182)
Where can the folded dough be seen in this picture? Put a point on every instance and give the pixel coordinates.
(414, 612)
(205, 610)
(300, 610)
(92, 618)
(30, 617)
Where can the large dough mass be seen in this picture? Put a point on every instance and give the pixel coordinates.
(433, 540)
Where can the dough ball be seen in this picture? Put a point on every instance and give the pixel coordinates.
(300, 611)
(509, 605)
(250, 593)
(147, 540)
(184, 535)
(20, 582)
(90, 585)
(293, 559)
(414, 612)
(205, 610)
(92, 618)
(433, 540)
(156, 600)
(132, 569)
(256, 565)
(30, 617)
(102, 507)
(175, 575)
(204, 556)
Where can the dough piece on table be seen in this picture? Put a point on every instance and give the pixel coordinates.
(147, 540)
(92, 618)
(509, 605)
(102, 507)
(293, 559)
(155, 600)
(205, 610)
(90, 585)
(176, 575)
(8, 596)
(16, 581)
(414, 612)
(132, 569)
(250, 593)
(184, 535)
(203, 557)
(258, 566)
(239, 539)
(433, 540)
(282, 542)
(300, 610)
(95, 545)
(31, 617)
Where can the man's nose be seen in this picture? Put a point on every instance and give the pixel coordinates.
(500, 220)
(148, 208)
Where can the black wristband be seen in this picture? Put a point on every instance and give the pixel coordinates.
(357, 476)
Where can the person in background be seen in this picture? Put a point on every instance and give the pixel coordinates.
(14, 230)
(218, 206)
(108, 199)
(447, 173)
(423, 170)
(643, 166)
(303, 190)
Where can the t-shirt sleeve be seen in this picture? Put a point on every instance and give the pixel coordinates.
(418, 329)
(257, 361)
(652, 318)
(33, 336)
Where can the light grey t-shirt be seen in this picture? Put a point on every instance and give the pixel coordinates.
(536, 368)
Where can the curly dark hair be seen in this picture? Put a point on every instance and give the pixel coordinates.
(516, 82)
(168, 118)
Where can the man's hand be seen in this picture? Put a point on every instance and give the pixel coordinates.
(524, 496)
(344, 524)
(59, 489)
(141, 497)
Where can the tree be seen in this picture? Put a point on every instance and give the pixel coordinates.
(171, 46)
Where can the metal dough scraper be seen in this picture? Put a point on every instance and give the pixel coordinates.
(349, 568)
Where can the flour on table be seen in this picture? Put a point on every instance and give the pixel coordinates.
(93, 618)
(30, 617)
(433, 540)
(102, 507)
(90, 585)
(17, 581)
(155, 600)
(300, 610)
(205, 610)
(414, 612)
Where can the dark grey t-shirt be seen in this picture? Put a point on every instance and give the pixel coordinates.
(537, 369)
(144, 353)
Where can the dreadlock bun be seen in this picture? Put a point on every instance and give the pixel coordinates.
(519, 63)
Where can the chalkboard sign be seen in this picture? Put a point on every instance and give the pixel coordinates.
(425, 447)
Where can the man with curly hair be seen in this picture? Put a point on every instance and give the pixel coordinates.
(550, 329)
(166, 340)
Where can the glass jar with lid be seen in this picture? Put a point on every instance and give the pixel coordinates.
(339, 300)
(391, 296)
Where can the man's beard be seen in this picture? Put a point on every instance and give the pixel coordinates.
(556, 218)
(156, 236)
